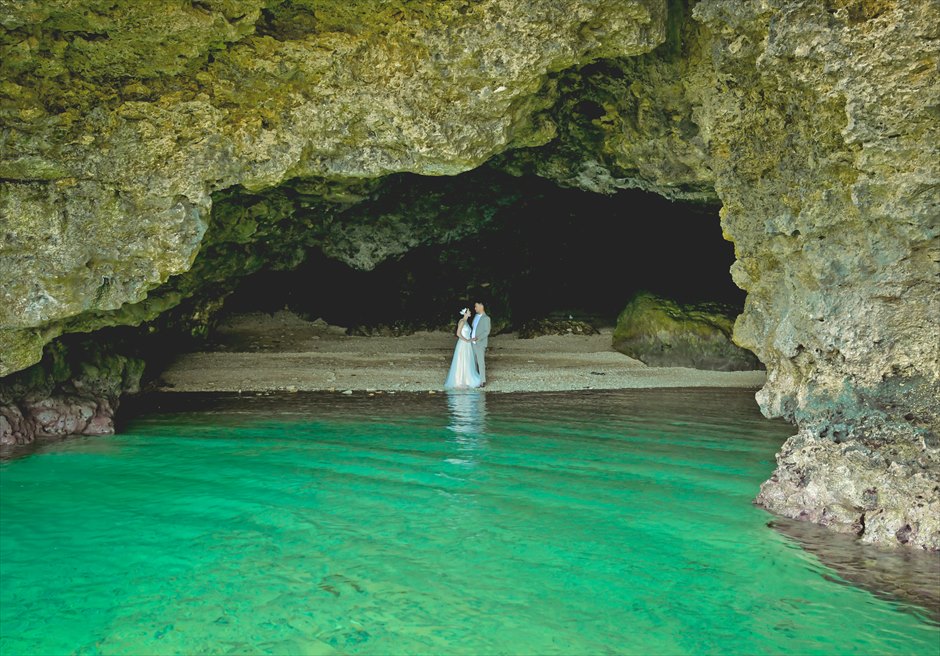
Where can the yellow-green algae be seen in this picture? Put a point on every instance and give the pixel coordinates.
(661, 332)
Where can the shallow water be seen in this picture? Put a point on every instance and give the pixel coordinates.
(586, 523)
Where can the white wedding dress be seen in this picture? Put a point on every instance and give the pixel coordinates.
(463, 368)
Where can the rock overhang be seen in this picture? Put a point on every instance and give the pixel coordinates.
(122, 120)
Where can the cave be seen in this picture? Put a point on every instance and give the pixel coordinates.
(160, 171)
(545, 252)
(234, 239)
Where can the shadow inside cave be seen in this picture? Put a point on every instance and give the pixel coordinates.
(547, 252)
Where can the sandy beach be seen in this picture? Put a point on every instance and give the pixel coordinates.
(265, 353)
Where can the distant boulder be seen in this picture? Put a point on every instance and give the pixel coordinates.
(663, 333)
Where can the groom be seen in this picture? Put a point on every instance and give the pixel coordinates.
(479, 335)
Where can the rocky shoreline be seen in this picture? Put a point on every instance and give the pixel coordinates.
(861, 487)
(77, 391)
(882, 488)
(74, 391)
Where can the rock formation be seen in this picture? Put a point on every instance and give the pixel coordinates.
(122, 119)
(75, 390)
(825, 140)
(152, 153)
(662, 333)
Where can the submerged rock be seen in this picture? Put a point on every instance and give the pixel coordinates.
(908, 576)
(662, 333)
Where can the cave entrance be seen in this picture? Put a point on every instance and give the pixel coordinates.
(540, 251)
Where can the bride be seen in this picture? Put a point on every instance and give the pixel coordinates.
(463, 368)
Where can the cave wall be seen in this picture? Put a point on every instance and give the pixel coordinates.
(403, 258)
(823, 125)
(822, 119)
(814, 122)
(75, 390)
(633, 123)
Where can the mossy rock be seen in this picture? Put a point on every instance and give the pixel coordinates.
(75, 365)
(663, 333)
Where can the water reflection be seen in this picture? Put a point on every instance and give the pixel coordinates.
(467, 414)
(905, 575)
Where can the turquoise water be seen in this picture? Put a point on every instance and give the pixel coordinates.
(588, 523)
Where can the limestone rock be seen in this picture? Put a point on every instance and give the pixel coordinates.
(880, 485)
(631, 123)
(554, 326)
(662, 333)
(106, 184)
(821, 120)
(143, 147)
(74, 390)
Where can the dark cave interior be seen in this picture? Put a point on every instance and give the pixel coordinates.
(553, 252)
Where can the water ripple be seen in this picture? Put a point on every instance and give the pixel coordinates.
(611, 522)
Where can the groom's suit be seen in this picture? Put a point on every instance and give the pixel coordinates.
(481, 331)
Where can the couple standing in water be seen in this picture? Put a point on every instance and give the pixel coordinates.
(468, 367)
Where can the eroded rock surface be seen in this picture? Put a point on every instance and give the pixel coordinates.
(825, 140)
(632, 123)
(74, 390)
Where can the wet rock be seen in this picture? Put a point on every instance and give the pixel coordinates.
(73, 391)
(885, 489)
(662, 333)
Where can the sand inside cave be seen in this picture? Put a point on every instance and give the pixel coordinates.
(259, 352)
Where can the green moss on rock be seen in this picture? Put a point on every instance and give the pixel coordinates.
(630, 123)
(74, 389)
(663, 333)
(815, 124)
